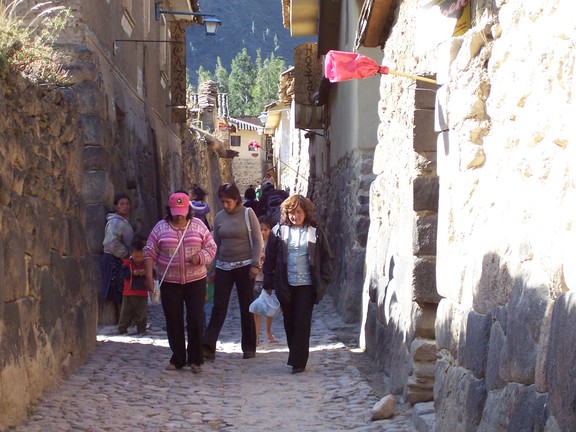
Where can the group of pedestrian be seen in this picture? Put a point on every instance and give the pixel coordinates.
(243, 249)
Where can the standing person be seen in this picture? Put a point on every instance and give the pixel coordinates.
(135, 295)
(298, 266)
(197, 197)
(180, 247)
(237, 235)
(271, 200)
(265, 228)
(252, 202)
(118, 236)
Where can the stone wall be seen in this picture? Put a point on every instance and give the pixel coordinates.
(48, 307)
(506, 326)
(64, 154)
(247, 171)
(400, 294)
(345, 209)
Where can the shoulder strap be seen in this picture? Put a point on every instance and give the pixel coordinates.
(247, 218)
(175, 250)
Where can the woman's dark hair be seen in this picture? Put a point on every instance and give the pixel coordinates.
(250, 194)
(297, 201)
(230, 190)
(198, 191)
(119, 196)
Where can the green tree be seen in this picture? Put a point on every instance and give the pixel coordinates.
(203, 75)
(265, 90)
(240, 83)
(221, 75)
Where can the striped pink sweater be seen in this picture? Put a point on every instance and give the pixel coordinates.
(162, 243)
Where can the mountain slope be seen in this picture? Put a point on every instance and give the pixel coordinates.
(253, 24)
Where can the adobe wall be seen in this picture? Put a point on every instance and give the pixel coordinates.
(48, 305)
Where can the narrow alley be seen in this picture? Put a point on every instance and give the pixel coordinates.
(123, 385)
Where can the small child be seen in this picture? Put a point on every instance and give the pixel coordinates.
(198, 204)
(135, 294)
(265, 228)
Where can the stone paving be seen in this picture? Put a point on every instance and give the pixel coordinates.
(123, 386)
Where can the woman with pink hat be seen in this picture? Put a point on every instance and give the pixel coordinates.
(180, 247)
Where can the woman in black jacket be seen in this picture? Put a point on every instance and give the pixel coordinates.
(298, 265)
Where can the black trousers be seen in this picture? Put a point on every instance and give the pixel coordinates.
(298, 323)
(174, 298)
(223, 283)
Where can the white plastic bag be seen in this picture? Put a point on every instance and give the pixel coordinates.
(265, 304)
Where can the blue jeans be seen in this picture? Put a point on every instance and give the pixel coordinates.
(223, 284)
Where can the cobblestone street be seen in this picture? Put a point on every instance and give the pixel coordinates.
(123, 385)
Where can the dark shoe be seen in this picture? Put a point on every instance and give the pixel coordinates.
(249, 355)
(296, 370)
(208, 354)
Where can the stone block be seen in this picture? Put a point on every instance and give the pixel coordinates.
(526, 310)
(424, 134)
(424, 423)
(424, 281)
(97, 187)
(425, 95)
(92, 129)
(494, 357)
(419, 388)
(362, 227)
(423, 320)
(424, 238)
(421, 381)
(96, 158)
(473, 344)
(76, 243)
(426, 193)
(89, 98)
(448, 319)
(561, 375)
(498, 407)
(95, 218)
(423, 408)
(459, 398)
(423, 350)
(529, 411)
(541, 376)
(15, 267)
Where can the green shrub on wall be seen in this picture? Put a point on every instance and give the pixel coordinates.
(27, 40)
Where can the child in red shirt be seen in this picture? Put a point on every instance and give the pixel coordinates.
(135, 294)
